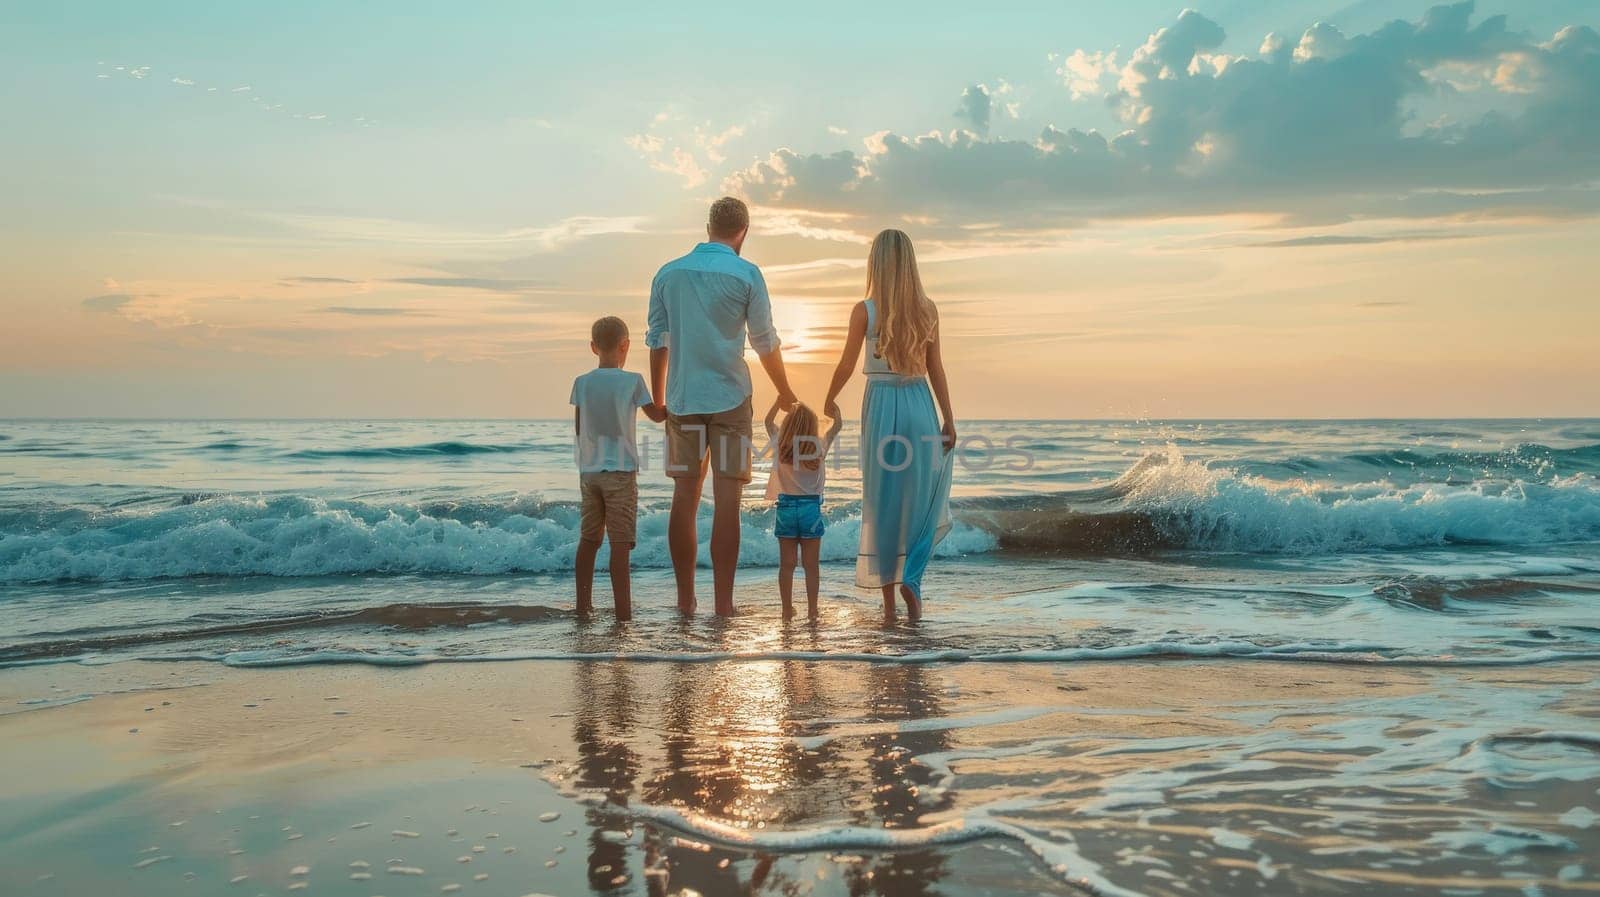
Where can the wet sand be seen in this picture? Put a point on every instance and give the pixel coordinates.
(781, 777)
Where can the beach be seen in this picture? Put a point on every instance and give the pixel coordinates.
(1163, 659)
(571, 777)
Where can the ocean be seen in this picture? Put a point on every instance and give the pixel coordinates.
(1461, 557)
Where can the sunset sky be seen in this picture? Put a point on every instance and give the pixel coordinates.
(1254, 209)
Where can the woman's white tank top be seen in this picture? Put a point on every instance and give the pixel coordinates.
(873, 363)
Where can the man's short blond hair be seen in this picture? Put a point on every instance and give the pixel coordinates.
(608, 332)
(729, 217)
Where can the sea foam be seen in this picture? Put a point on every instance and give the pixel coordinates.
(1165, 501)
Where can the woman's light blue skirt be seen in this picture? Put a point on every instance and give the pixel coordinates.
(905, 482)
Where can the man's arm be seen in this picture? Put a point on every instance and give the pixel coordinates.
(658, 376)
(657, 323)
(773, 363)
(652, 409)
(764, 339)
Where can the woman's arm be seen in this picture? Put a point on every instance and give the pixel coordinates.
(830, 436)
(941, 386)
(847, 359)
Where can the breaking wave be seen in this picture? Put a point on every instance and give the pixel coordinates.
(1163, 502)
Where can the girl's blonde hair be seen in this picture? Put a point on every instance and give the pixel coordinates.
(800, 430)
(906, 319)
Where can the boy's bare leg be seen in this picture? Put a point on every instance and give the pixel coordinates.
(811, 559)
(583, 572)
(621, 592)
(726, 493)
(787, 549)
(682, 541)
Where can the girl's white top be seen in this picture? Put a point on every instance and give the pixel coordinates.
(797, 479)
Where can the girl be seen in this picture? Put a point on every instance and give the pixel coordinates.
(906, 453)
(798, 475)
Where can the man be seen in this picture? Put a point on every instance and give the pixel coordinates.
(700, 308)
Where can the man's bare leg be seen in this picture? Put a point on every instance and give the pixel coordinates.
(726, 493)
(682, 541)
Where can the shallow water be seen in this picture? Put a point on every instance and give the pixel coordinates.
(1462, 557)
(292, 541)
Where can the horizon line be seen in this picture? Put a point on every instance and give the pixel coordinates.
(564, 419)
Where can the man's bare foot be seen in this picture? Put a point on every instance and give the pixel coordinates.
(913, 603)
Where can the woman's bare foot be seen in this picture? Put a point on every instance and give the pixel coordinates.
(889, 606)
(913, 603)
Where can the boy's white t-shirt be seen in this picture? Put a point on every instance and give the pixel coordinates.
(608, 400)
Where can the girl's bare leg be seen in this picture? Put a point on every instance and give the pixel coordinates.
(811, 557)
(787, 549)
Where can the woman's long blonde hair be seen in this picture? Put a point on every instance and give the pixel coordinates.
(906, 319)
(798, 437)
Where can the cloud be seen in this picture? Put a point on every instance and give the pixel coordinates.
(837, 131)
(689, 154)
(711, 144)
(1085, 73)
(372, 311)
(109, 302)
(1352, 240)
(319, 280)
(1323, 128)
(243, 92)
(974, 108)
(492, 284)
(387, 230)
(978, 105)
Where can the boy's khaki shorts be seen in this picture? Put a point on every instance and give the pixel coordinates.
(725, 436)
(610, 506)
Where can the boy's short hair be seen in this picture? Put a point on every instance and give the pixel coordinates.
(729, 216)
(608, 332)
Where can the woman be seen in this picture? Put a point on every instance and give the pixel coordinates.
(905, 454)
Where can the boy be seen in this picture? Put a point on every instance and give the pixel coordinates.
(608, 460)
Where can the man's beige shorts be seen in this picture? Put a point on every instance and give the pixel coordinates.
(724, 436)
(610, 506)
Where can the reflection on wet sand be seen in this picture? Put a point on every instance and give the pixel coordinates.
(734, 748)
(898, 785)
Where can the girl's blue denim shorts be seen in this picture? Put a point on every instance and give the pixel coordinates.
(799, 517)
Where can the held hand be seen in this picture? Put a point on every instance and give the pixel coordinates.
(948, 432)
(786, 401)
(832, 410)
